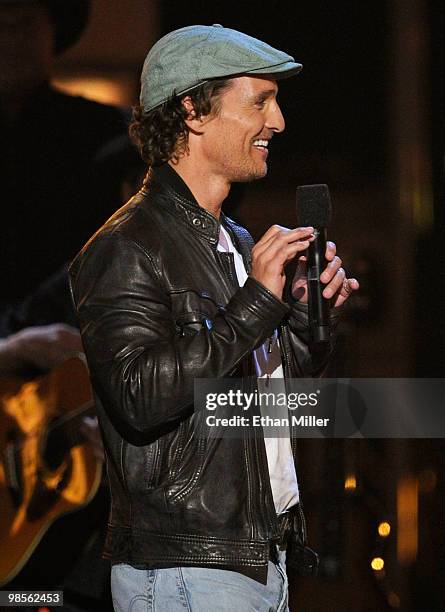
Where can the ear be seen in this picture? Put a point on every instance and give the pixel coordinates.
(193, 123)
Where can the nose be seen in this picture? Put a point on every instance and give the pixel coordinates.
(275, 119)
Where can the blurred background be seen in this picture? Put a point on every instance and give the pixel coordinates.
(366, 116)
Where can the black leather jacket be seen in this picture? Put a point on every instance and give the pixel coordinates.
(159, 306)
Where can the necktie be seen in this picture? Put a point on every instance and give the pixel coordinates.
(223, 241)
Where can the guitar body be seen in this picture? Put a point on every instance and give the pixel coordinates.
(47, 469)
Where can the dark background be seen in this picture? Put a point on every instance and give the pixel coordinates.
(366, 117)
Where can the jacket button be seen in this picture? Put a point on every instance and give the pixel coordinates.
(196, 222)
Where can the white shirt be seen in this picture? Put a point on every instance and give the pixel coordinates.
(283, 477)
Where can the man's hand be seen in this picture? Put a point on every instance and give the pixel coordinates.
(41, 347)
(333, 276)
(273, 251)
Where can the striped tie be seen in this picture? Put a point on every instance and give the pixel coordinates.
(223, 241)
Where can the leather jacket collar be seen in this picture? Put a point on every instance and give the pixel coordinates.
(200, 220)
(165, 179)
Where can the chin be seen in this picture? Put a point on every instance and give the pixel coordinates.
(253, 175)
(260, 173)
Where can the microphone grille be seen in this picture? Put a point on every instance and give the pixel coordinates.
(313, 205)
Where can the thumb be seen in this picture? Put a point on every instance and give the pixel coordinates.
(301, 269)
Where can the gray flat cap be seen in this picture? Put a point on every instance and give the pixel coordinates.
(186, 58)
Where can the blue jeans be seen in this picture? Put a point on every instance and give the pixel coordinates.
(197, 589)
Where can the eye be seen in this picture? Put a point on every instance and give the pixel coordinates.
(260, 103)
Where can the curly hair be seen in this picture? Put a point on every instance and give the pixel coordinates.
(162, 134)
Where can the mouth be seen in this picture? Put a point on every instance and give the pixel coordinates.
(261, 145)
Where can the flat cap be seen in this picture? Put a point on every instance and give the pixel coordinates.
(190, 56)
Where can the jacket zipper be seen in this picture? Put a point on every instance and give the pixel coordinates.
(269, 519)
(287, 370)
(293, 441)
(249, 487)
(179, 451)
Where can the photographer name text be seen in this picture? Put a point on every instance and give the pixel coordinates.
(258, 420)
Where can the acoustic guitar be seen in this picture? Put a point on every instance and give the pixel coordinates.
(47, 468)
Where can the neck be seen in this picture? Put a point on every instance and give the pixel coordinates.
(209, 190)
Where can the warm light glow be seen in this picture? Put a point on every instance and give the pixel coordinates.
(394, 600)
(79, 486)
(377, 564)
(384, 529)
(117, 91)
(350, 482)
(407, 519)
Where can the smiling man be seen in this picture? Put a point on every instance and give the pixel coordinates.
(169, 290)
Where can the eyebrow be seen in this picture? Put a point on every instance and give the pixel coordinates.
(267, 93)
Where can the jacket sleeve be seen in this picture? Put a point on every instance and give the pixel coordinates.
(310, 361)
(141, 368)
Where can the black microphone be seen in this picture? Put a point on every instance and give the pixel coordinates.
(314, 209)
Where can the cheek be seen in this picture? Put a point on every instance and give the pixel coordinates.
(245, 131)
(234, 134)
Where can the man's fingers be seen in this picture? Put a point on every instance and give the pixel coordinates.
(277, 247)
(331, 270)
(277, 231)
(265, 240)
(331, 250)
(273, 229)
(277, 237)
(278, 254)
(349, 285)
(335, 284)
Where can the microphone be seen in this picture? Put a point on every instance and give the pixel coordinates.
(314, 209)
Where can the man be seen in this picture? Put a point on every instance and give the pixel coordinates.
(170, 290)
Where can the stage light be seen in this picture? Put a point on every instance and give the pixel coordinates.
(377, 564)
(350, 482)
(407, 519)
(384, 529)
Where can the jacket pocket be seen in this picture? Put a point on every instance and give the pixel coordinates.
(187, 462)
(193, 311)
(141, 466)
